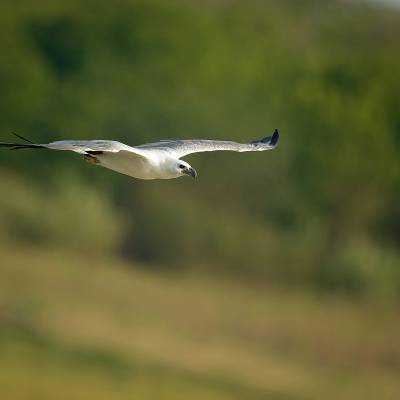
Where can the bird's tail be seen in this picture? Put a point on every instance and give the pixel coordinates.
(19, 146)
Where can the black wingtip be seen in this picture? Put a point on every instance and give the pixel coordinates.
(275, 138)
(271, 140)
(22, 138)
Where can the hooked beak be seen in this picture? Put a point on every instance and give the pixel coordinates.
(191, 171)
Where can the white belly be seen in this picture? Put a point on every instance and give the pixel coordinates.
(132, 165)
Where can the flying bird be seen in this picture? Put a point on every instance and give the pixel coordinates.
(160, 160)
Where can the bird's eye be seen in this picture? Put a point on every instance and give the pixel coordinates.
(181, 166)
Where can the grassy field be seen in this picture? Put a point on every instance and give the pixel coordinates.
(77, 327)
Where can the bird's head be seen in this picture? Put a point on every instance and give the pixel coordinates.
(184, 168)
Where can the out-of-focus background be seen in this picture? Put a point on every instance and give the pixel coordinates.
(276, 275)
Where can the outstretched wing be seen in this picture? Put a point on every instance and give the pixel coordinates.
(89, 146)
(181, 148)
(77, 146)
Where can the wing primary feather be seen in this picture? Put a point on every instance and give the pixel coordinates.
(22, 138)
(270, 140)
(19, 146)
(27, 146)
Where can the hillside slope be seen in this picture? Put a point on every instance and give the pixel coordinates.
(71, 322)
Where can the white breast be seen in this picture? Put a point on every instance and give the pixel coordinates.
(136, 166)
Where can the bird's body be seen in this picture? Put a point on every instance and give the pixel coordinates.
(146, 167)
(160, 160)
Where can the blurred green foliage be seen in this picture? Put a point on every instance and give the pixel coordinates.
(322, 210)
